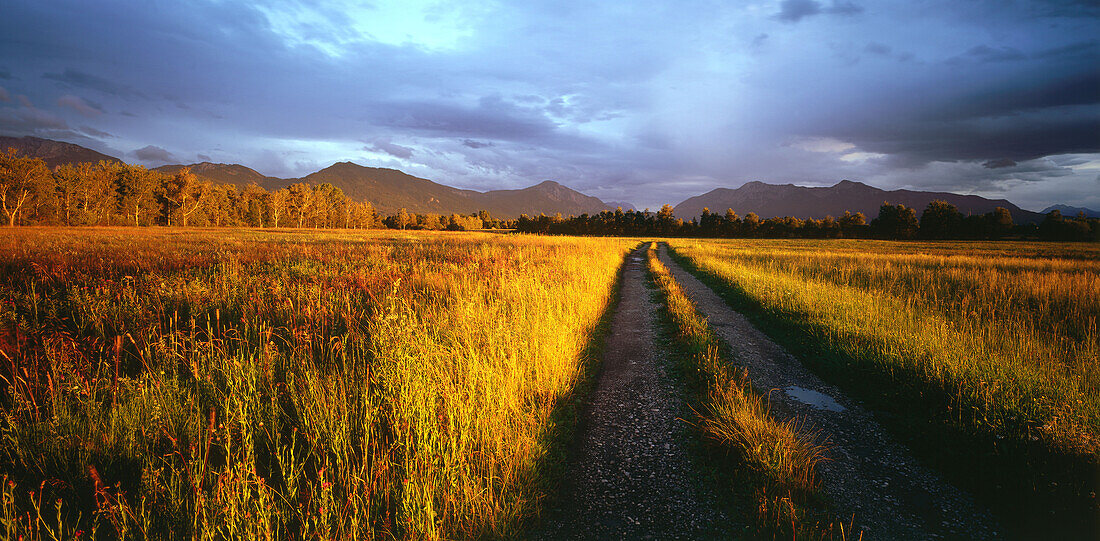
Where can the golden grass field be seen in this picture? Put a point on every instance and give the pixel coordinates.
(280, 384)
(177, 384)
(999, 339)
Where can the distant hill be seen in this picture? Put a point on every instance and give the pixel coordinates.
(53, 152)
(547, 197)
(769, 200)
(223, 173)
(1067, 210)
(390, 190)
(621, 204)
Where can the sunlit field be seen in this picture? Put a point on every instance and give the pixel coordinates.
(266, 384)
(996, 341)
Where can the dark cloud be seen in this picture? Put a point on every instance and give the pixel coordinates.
(4, 73)
(998, 164)
(203, 157)
(26, 119)
(985, 53)
(79, 79)
(792, 11)
(492, 118)
(4, 96)
(154, 154)
(88, 130)
(470, 143)
(388, 147)
(844, 8)
(89, 109)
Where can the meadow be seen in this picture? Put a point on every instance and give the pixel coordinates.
(275, 384)
(983, 356)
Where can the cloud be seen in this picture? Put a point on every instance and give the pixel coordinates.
(985, 53)
(470, 143)
(387, 147)
(88, 130)
(78, 104)
(154, 154)
(998, 164)
(5, 74)
(27, 119)
(792, 11)
(4, 96)
(79, 79)
(203, 157)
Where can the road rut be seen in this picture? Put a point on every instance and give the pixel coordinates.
(631, 476)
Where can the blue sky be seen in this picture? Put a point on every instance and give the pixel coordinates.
(644, 102)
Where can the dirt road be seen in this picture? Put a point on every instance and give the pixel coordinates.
(631, 476)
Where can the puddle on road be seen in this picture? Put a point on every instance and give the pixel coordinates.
(637, 259)
(813, 398)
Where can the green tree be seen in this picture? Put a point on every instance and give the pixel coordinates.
(895, 222)
(941, 220)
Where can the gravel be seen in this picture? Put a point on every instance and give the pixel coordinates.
(631, 475)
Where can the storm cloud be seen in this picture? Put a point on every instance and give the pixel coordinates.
(646, 104)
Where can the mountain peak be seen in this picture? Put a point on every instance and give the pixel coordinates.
(769, 200)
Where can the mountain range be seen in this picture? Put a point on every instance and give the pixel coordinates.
(768, 200)
(1069, 211)
(54, 153)
(390, 190)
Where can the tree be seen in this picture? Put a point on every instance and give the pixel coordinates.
(21, 178)
(999, 222)
(98, 195)
(277, 205)
(895, 222)
(941, 220)
(403, 218)
(68, 180)
(185, 195)
(299, 202)
(136, 187)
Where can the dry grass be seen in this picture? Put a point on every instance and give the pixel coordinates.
(1000, 338)
(276, 384)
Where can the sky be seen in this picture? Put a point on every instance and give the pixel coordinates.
(644, 102)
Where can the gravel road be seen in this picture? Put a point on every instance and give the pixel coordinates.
(631, 476)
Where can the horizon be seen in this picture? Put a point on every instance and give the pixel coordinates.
(980, 99)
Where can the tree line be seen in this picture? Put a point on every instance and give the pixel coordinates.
(112, 193)
(940, 220)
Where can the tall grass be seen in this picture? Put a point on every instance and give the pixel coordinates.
(1000, 339)
(287, 385)
(784, 455)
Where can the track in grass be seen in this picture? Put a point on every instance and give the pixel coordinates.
(868, 474)
(631, 476)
